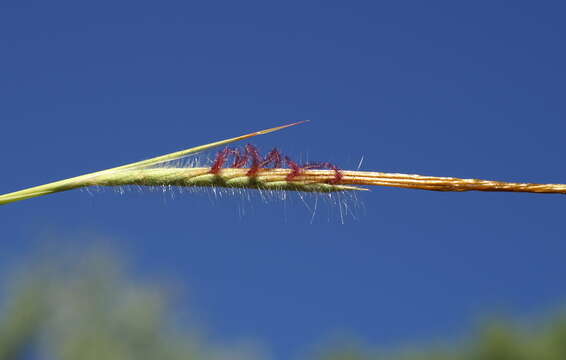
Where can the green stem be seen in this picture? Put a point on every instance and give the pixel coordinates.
(79, 181)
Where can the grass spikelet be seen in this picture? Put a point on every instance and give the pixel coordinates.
(141, 173)
(247, 169)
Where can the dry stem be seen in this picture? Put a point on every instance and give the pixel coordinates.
(142, 173)
(239, 178)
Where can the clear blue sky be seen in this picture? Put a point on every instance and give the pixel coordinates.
(448, 88)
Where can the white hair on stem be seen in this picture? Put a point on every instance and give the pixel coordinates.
(316, 178)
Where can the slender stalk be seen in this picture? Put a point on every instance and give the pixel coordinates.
(144, 174)
(437, 183)
(277, 179)
(71, 183)
(316, 179)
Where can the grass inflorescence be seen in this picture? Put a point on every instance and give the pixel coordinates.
(246, 168)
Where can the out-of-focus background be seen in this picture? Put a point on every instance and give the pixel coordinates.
(64, 305)
(441, 88)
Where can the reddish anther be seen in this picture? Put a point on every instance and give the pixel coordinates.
(296, 169)
(274, 157)
(251, 155)
(240, 160)
(256, 158)
(219, 161)
(326, 165)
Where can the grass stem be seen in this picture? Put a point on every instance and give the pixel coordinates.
(144, 173)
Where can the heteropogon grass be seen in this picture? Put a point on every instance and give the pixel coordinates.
(306, 178)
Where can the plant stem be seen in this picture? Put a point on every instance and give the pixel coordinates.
(72, 183)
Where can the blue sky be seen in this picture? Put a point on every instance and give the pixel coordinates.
(442, 88)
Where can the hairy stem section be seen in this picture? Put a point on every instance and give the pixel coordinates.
(311, 180)
(268, 179)
(277, 179)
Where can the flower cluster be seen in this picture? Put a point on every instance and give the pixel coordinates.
(250, 156)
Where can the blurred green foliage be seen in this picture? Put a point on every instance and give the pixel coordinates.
(88, 307)
(71, 307)
(496, 340)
